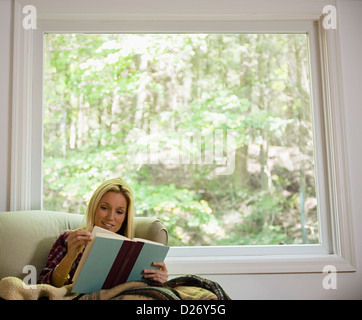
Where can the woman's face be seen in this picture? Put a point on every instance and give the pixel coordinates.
(111, 211)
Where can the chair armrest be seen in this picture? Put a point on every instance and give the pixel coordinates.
(150, 229)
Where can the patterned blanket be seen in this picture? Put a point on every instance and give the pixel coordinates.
(188, 287)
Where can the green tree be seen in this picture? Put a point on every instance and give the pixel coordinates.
(100, 88)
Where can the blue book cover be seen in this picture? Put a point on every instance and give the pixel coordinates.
(147, 256)
(110, 259)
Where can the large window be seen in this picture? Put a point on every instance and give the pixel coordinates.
(278, 201)
(214, 132)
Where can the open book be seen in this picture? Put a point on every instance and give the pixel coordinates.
(110, 259)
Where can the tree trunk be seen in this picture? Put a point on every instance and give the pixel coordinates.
(241, 173)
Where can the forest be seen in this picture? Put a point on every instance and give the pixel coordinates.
(213, 132)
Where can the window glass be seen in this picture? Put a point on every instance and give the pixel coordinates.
(212, 131)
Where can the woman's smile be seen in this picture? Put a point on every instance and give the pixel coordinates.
(107, 225)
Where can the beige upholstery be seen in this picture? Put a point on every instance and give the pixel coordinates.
(26, 237)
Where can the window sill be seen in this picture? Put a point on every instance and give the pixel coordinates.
(266, 264)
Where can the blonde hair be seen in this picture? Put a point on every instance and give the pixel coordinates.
(116, 185)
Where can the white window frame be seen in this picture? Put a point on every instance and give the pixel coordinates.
(337, 246)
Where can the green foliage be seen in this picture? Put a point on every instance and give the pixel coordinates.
(100, 88)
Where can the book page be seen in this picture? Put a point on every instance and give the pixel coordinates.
(87, 249)
(148, 241)
(98, 231)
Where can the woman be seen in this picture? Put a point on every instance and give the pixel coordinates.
(111, 207)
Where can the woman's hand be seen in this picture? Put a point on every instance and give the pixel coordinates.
(159, 275)
(76, 241)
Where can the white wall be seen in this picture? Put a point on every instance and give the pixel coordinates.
(279, 286)
(5, 100)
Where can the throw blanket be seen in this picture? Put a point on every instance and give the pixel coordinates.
(188, 287)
